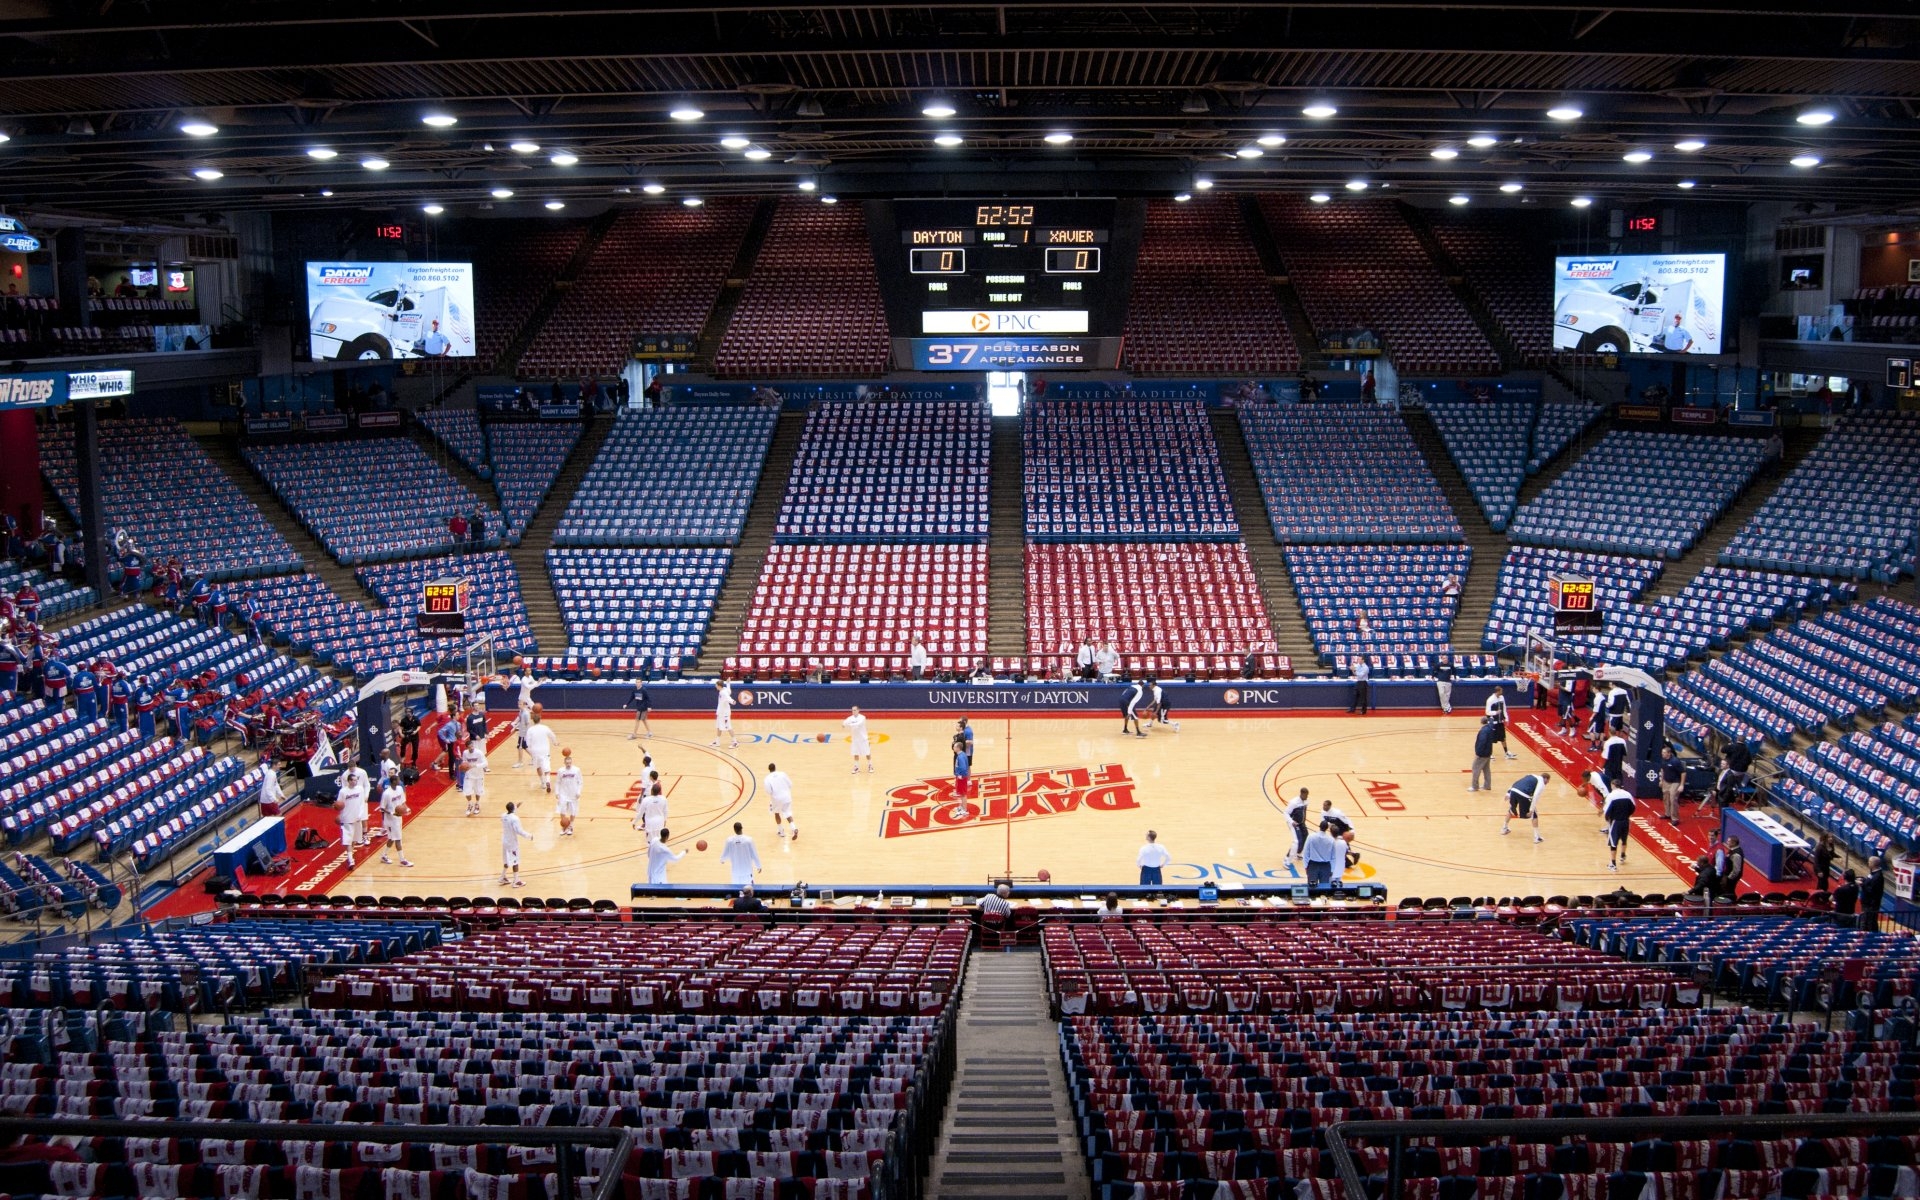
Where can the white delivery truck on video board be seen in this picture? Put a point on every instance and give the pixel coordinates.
(1627, 304)
(370, 311)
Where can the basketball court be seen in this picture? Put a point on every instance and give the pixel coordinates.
(1070, 796)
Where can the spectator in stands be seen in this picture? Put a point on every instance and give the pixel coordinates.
(1083, 658)
(1846, 898)
(746, 901)
(1705, 880)
(1675, 339)
(918, 660)
(1153, 857)
(1823, 852)
(997, 902)
(1107, 660)
(1776, 453)
(1368, 386)
(1250, 665)
(1673, 776)
(457, 528)
(652, 392)
(1443, 681)
(1362, 686)
(1483, 755)
(1873, 889)
(1321, 852)
(1110, 909)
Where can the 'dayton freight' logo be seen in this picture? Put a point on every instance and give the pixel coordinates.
(933, 805)
(345, 276)
(1594, 268)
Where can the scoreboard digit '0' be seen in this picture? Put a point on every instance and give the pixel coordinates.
(443, 606)
(1576, 605)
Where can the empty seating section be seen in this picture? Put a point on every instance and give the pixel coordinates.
(1181, 599)
(68, 890)
(1558, 425)
(526, 459)
(1850, 508)
(672, 477)
(1201, 301)
(369, 499)
(1140, 966)
(1390, 604)
(658, 270)
(1358, 265)
(160, 486)
(858, 608)
(1505, 271)
(1638, 492)
(1719, 604)
(303, 613)
(1124, 471)
(513, 272)
(913, 471)
(58, 597)
(800, 1108)
(812, 304)
(458, 429)
(1865, 788)
(681, 966)
(1797, 679)
(1344, 474)
(1775, 960)
(1489, 443)
(1184, 1106)
(234, 964)
(638, 611)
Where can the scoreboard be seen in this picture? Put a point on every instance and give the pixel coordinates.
(443, 606)
(1576, 607)
(1005, 284)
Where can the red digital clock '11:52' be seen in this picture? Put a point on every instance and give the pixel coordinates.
(390, 233)
(1643, 224)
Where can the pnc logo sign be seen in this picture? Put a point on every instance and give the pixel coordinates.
(982, 323)
(933, 806)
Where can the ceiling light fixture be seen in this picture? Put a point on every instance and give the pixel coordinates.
(1582, 201)
(1182, 197)
(1456, 201)
(1685, 185)
(939, 110)
(1319, 197)
(1637, 156)
(1356, 185)
(1805, 160)
(555, 205)
(208, 173)
(375, 163)
(323, 153)
(524, 147)
(1058, 139)
(807, 185)
(1248, 152)
(326, 191)
(563, 158)
(1203, 185)
(1444, 153)
(1480, 141)
(829, 199)
(685, 112)
(198, 127)
(1271, 140)
(653, 189)
(1816, 116)
(1689, 145)
(440, 120)
(758, 154)
(1565, 112)
(692, 201)
(432, 210)
(1511, 188)
(1319, 110)
(501, 193)
(734, 141)
(949, 140)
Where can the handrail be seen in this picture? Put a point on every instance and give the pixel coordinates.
(1483, 1132)
(606, 1188)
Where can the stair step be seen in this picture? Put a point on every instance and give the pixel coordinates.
(750, 555)
(225, 453)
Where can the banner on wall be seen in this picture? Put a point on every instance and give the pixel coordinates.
(1688, 415)
(51, 389)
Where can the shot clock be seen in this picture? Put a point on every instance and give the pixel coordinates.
(443, 606)
(1575, 604)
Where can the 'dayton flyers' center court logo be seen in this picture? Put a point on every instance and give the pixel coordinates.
(934, 805)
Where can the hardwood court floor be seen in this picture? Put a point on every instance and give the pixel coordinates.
(1067, 795)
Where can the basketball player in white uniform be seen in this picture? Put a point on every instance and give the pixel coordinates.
(393, 806)
(780, 800)
(540, 745)
(473, 784)
(856, 724)
(567, 782)
(741, 856)
(723, 714)
(512, 833)
(653, 812)
(353, 808)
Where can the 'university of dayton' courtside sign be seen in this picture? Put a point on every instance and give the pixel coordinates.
(50, 389)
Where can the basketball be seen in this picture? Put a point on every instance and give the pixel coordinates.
(1045, 876)
(538, 709)
(821, 737)
(701, 844)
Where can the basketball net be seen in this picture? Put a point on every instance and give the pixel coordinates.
(1538, 665)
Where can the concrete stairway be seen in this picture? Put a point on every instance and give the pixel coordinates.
(728, 301)
(1008, 1131)
(483, 490)
(530, 556)
(1489, 548)
(562, 283)
(1007, 542)
(1289, 624)
(1799, 442)
(226, 455)
(1268, 248)
(730, 609)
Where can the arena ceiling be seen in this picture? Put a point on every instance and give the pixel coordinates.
(1157, 98)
